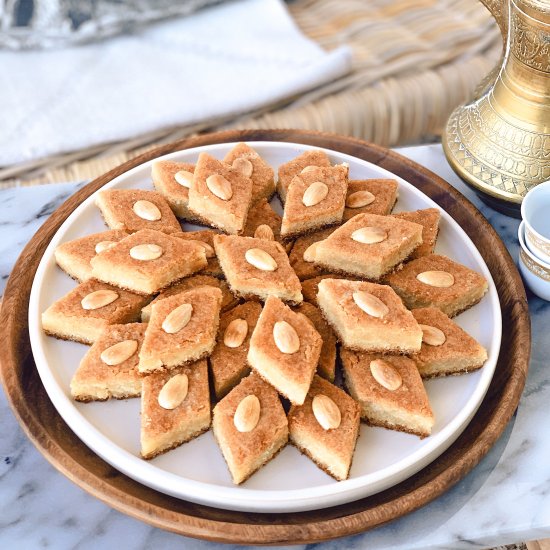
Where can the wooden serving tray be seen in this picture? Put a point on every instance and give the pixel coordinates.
(69, 455)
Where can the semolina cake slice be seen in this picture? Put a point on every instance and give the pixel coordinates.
(284, 350)
(446, 349)
(310, 287)
(175, 408)
(302, 254)
(429, 220)
(228, 363)
(326, 427)
(368, 316)
(389, 390)
(109, 368)
(250, 427)
(374, 196)
(205, 237)
(261, 215)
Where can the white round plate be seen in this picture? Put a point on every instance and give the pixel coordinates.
(196, 471)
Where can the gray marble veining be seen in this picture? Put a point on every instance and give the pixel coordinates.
(505, 499)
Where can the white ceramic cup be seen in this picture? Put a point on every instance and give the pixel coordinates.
(535, 211)
(535, 272)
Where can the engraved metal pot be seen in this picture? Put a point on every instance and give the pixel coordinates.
(500, 142)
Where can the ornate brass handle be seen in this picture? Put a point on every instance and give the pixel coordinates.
(499, 10)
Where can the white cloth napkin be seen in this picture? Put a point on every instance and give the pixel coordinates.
(224, 60)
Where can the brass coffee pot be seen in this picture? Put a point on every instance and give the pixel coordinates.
(500, 142)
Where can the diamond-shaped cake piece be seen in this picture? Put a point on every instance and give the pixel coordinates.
(84, 313)
(172, 180)
(326, 427)
(446, 348)
(315, 199)
(375, 196)
(74, 257)
(148, 261)
(135, 209)
(327, 360)
(206, 237)
(368, 317)
(175, 408)
(182, 328)
(219, 195)
(300, 256)
(228, 360)
(293, 167)
(109, 368)
(389, 390)
(261, 214)
(285, 349)
(257, 268)
(310, 287)
(437, 281)
(195, 281)
(429, 220)
(246, 160)
(250, 426)
(368, 246)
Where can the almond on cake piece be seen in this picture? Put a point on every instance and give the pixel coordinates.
(327, 360)
(325, 428)
(182, 328)
(293, 167)
(315, 199)
(109, 368)
(172, 180)
(374, 196)
(175, 408)
(228, 359)
(261, 215)
(446, 349)
(148, 261)
(285, 349)
(220, 196)
(368, 246)
(437, 281)
(195, 281)
(73, 257)
(368, 317)
(389, 390)
(301, 255)
(84, 313)
(206, 238)
(246, 160)
(429, 220)
(250, 427)
(257, 268)
(310, 287)
(134, 209)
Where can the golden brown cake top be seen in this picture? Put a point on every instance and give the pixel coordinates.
(205, 236)
(384, 194)
(120, 211)
(306, 269)
(429, 220)
(310, 287)
(85, 247)
(261, 213)
(293, 167)
(164, 173)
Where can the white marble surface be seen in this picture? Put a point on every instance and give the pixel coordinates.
(505, 499)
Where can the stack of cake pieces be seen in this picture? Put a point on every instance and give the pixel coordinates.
(241, 321)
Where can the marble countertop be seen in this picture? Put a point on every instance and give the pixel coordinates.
(505, 499)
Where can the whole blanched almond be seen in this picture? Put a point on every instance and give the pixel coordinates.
(286, 338)
(370, 304)
(247, 414)
(235, 333)
(438, 279)
(326, 412)
(385, 374)
(315, 193)
(118, 353)
(146, 252)
(208, 250)
(184, 177)
(177, 319)
(98, 299)
(174, 392)
(219, 186)
(103, 245)
(308, 169)
(432, 335)
(309, 252)
(260, 259)
(369, 235)
(264, 232)
(358, 199)
(244, 166)
(146, 210)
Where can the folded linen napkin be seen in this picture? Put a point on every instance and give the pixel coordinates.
(224, 60)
